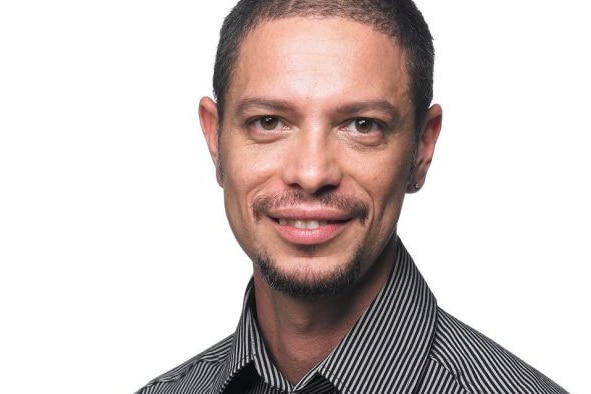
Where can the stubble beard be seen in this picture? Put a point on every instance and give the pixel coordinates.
(312, 285)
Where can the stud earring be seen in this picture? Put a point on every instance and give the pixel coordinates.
(416, 186)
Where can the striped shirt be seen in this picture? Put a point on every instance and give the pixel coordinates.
(403, 343)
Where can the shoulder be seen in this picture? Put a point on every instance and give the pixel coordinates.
(196, 374)
(480, 365)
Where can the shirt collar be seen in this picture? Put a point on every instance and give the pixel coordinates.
(241, 353)
(248, 348)
(385, 351)
(391, 341)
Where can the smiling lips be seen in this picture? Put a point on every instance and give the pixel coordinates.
(303, 220)
(306, 229)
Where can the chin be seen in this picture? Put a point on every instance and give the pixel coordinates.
(305, 282)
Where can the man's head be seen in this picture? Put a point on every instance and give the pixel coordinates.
(319, 141)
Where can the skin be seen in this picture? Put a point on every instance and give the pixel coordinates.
(317, 106)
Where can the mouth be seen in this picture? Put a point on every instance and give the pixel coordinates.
(305, 224)
(304, 231)
(298, 219)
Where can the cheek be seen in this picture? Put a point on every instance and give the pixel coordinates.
(388, 201)
(247, 173)
(387, 188)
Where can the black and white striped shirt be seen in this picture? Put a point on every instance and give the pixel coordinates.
(403, 343)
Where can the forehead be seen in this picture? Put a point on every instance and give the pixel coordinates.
(319, 58)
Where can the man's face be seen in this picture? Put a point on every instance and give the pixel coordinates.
(316, 150)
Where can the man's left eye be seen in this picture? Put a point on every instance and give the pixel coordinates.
(364, 125)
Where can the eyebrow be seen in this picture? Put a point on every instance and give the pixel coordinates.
(262, 103)
(347, 109)
(369, 105)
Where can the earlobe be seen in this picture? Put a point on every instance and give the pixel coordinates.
(426, 147)
(208, 117)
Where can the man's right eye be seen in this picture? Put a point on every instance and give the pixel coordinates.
(268, 123)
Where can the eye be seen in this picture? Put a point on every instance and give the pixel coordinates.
(267, 123)
(365, 125)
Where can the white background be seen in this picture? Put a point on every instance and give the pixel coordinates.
(116, 262)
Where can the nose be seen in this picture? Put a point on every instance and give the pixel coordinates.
(312, 163)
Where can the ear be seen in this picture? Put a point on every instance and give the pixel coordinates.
(425, 148)
(208, 117)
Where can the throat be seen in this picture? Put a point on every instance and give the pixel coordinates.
(298, 333)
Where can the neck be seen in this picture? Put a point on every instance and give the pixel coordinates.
(301, 332)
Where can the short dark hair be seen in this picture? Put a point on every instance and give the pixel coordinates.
(399, 19)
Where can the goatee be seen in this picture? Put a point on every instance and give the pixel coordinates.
(312, 286)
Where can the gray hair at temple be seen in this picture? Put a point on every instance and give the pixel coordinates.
(399, 19)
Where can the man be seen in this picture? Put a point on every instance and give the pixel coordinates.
(323, 123)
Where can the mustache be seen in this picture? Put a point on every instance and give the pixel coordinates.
(354, 207)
